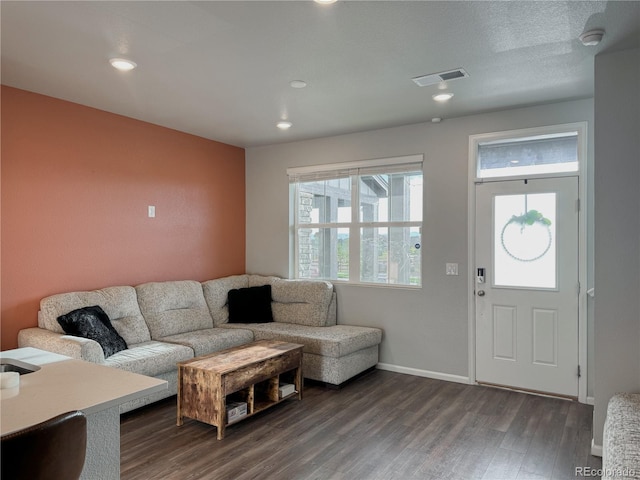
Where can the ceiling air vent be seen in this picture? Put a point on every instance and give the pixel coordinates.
(434, 78)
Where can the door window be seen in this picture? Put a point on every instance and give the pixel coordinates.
(524, 241)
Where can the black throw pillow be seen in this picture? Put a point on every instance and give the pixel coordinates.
(250, 305)
(93, 323)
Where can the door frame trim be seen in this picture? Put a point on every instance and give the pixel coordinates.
(474, 140)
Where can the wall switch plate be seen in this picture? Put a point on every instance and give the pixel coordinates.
(452, 269)
(152, 211)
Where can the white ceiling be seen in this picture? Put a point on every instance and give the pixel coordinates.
(221, 70)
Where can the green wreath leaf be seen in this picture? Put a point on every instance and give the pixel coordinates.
(529, 218)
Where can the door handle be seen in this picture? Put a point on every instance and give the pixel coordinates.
(481, 293)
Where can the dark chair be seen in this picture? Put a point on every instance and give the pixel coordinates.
(52, 450)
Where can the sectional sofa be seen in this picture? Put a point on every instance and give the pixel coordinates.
(164, 323)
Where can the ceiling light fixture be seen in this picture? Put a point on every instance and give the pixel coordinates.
(298, 83)
(442, 97)
(284, 125)
(592, 37)
(122, 64)
(325, 2)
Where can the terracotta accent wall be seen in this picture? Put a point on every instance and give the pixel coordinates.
(76, 185)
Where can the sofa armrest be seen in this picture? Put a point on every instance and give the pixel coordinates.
(74, 347)
(621, 441)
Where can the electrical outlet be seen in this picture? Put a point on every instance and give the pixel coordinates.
(152, 211)
(452, 269)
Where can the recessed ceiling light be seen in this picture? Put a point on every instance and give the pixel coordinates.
(298, 83)
(325, 2)
(122, 64)
(592, 37)
(442, 97)
(284, 125)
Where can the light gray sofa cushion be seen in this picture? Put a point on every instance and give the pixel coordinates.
(301, 302)
(335, 341)
(174, 307)
(119, 303)
(204, 342)
(216, 293)
(150, 358)
(621, 442)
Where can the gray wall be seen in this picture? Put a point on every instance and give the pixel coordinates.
(424, 329)
(617, 229)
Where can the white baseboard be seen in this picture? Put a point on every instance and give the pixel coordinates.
(591, 401)
(423, 373)
(596, 450)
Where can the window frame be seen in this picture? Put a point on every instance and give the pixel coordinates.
(326, 171)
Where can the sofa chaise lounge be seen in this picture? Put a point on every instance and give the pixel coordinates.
(164, 323)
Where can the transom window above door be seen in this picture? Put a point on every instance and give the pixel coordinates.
(543, 151)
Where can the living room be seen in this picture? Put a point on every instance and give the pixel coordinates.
(78, 181)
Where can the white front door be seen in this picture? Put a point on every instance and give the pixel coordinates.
(526, 290)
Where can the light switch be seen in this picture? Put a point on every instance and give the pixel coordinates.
(152, 211)
(452, 269)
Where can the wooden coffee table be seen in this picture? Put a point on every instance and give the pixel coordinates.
(250, 373)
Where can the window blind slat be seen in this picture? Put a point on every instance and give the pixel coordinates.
(402, 168)
(319, 176)
(409, 163)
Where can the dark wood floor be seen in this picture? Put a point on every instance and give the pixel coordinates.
(381, 426)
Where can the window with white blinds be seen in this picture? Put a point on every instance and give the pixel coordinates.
(359, 222)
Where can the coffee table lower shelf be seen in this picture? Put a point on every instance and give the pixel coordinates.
(252, 374)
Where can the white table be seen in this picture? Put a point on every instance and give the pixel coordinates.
(64, 384)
